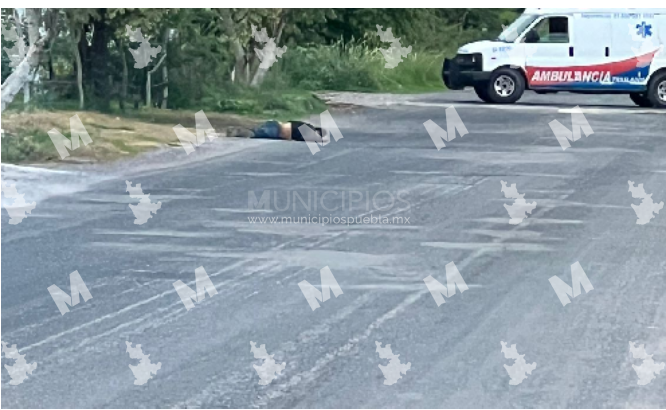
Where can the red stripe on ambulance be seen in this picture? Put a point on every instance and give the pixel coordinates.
(599, 73)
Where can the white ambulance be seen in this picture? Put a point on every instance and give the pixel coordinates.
(605, 51)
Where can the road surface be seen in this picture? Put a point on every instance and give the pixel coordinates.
(455, 209)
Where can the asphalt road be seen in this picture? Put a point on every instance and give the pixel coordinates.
(454, 203)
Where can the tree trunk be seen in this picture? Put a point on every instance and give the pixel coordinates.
(149, 102)
(123, 86)
(236, 46)
(247, 67)
(26, 91)
(79, 70)
(99, 62)
(463, 20)
(22, 74)
(261, 72)
(148, 79)
(280, 29)
(165, 73)
(165, 90)
(32, 19)
(51, 70)
(84, 52)
(259, 76)
(240, 58)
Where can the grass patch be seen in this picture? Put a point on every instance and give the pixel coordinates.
(28, 145)
(270, 102)
(125, 147)
(26, 140)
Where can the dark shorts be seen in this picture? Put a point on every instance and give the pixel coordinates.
(269, 130)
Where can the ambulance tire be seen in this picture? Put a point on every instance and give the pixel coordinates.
(641, 100)
(506, 86)
(481, 91)
(656, 92)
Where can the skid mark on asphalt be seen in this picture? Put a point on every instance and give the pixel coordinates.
(497, 243)
(242, 210)
(215, 392)
(169, 316)
(221, 386)
(414, 287)
(156, 297)
(166, 315)
(257, 174)
(130, 308)
(552, 203)
(490, 247)
(525, 235)
(309, 376)
(279, 226)
(161, 233)
(126, 199)
(152, 247)
(310, 258)
(533, 221)
(324, 158)
(500, 158)
(52, 362)
(366, 228)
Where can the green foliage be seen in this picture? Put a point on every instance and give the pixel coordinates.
(331, 67)
(358, 67)
(328, 49)
(28, 145)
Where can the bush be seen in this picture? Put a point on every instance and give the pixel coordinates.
(330, 67)
(357, 67)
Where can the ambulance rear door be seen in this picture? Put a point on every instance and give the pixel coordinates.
(635, 41)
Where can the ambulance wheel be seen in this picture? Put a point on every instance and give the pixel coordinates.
(640, 99)
(481, 91)
(506, 86)
(657, 90)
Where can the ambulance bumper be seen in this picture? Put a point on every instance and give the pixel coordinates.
(463, 71)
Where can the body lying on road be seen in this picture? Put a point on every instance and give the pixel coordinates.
(290, 130)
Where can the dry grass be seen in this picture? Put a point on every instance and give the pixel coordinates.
(26, 139)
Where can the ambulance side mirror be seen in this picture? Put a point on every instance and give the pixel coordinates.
(532, 37)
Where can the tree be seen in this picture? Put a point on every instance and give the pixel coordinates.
(24, 71)
(76, 18)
